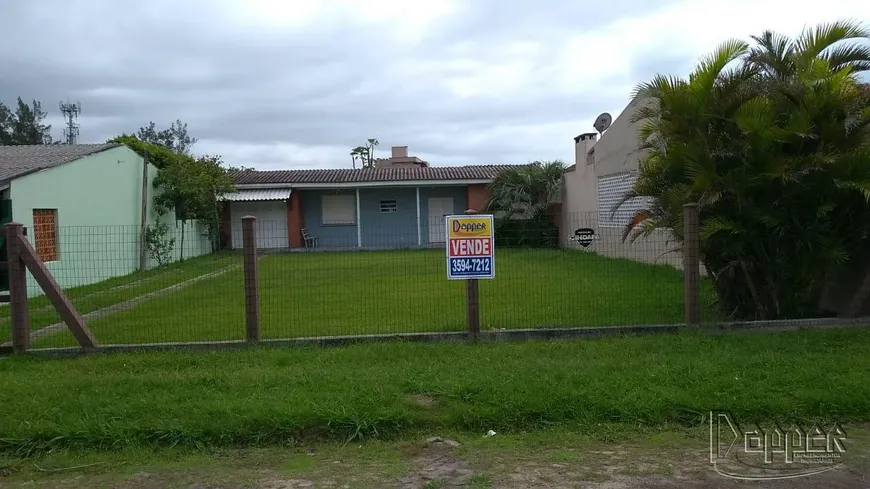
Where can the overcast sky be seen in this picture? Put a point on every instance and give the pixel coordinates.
(284, 84)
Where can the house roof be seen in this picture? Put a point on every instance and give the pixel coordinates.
(17, 161)
(369, 175)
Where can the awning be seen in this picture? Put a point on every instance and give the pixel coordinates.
(251, 195)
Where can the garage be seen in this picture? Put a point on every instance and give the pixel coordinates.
(270, 209)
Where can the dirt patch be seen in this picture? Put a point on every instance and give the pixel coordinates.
(422, 400)
(473, 462)
(437, 466)
(630, 468)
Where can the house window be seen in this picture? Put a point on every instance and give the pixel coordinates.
(338, 209)
(388, 206)
(45, 234)
(611, 190)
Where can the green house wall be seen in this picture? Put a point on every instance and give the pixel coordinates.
(98, 202)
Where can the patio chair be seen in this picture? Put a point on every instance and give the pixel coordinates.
(310, 241)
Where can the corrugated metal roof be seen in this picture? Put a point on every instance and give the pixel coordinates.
(250, 195)
(17, 161)
(476, 172)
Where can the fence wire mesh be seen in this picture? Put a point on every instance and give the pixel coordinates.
(563, 271)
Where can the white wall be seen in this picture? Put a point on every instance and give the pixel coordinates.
(271, 225)
(616, 151)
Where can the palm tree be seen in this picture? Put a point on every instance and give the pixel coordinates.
(520, 198)
(371, 144)
(773, 142)
(527, 191)
(360, 152)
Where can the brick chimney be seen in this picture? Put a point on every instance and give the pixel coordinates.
(582, 144)
(399, 159)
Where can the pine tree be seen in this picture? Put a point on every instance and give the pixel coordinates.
(6, 119)
(27, 125)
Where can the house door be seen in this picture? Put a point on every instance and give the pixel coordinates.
(439, 208)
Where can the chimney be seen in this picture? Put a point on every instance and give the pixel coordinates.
(582, 144)
(399, 158)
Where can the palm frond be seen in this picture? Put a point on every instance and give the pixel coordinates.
(717, 224)
(655, 88)
(773, 54)
(812, 42)
(710, 68)
(635, 221)
(852, 55)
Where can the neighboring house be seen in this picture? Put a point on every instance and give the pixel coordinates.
(603, 171)
(400, 203)
(81, 207)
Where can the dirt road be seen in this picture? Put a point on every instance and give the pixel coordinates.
(553, 460)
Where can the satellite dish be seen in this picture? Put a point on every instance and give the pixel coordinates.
(602, 122)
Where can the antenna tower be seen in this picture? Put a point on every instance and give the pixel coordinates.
(71, 113)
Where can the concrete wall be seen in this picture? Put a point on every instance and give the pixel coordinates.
(658, 248)
(618, 148)
(616, 151)
(578, 195)
(98, 202)
(379, 230)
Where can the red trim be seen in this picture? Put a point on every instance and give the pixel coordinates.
(295, 221)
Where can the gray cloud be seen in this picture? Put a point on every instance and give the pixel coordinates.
(303, 96)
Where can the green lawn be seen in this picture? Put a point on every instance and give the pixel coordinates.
(95, 296)
(264, 396)
(313, 294)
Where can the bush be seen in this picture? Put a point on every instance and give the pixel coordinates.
(159, 246)
(526, 233)
(772, 141)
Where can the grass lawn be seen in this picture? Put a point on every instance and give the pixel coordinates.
(95, 296)
(312, 294)
(267, 396)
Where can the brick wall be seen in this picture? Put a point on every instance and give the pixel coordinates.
(477, 196)
(295, 221)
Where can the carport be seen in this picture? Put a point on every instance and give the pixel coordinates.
(269, 206)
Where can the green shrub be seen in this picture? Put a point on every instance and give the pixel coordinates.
(526, 233)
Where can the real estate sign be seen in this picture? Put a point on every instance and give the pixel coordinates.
(470, 246)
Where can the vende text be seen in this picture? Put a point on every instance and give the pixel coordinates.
(470, 247)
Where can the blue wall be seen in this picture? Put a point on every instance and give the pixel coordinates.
(379, 230)
(459, 195)
(328, 235)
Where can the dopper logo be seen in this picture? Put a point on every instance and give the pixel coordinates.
(468, 228)
(773, 452)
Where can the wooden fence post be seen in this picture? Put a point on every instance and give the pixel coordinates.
(472, 303)
(252, 293)
(691, 265)
(17, 288)
(472, 308)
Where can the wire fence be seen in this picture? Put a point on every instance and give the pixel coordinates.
(561, 271)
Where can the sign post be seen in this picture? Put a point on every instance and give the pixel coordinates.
(470, 256)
